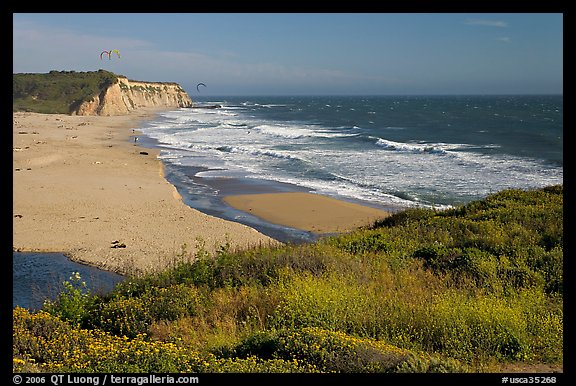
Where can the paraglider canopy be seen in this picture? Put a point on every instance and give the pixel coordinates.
(198, 86)
(105, 52)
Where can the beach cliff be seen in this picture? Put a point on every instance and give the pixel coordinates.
(99, 92)
(126, 95)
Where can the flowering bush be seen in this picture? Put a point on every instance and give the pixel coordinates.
(73, 303)
(423, 291)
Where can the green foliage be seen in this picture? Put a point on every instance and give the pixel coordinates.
(124, 317)
(332, 302)
(59, 347)
(422, 291)
(333, 351)
(371, 242)
(430, 363)
(58, 91)
(73, 303)
(509, 240)
(132, 315)
(233, 268)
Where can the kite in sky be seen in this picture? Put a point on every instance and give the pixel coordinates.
(109, 53)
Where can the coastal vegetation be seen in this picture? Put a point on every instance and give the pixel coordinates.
(476, 288)
(62, 92)
(58, 92)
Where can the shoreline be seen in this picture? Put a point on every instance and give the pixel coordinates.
(210, 195)
(85, 188)
(81, 188)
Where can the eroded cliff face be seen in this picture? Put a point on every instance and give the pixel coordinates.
(127, 95)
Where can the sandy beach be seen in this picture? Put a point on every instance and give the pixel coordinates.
(307, 211)
(81, 186)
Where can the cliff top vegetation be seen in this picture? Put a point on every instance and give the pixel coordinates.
(58, 92)
(61, 92)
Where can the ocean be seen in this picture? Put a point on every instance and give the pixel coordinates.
(390, 152)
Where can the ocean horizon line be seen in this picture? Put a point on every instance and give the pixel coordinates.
(382, 95)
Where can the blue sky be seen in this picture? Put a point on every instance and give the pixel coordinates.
(304, 54)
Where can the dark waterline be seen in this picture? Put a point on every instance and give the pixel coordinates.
(39, 276)
(206, 195)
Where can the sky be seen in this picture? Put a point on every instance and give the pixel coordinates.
(304, 53)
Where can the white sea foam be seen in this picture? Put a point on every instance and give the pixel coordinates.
(411, 147)
(299, 131)
(348, 160)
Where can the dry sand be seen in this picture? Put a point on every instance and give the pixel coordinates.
(80, 185)
(307, 211)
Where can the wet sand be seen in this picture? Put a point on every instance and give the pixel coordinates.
(307, 211)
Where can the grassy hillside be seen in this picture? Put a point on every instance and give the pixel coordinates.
(58, 91)
(478, 288)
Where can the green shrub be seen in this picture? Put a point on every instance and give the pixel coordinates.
(73, 303)
(58, 91)
(429, 291)
(263, 344)
(441, 258)
(369, 242)
(171, 303)
(426, 363)
(124, 317)
(333, 351)
(332, 302)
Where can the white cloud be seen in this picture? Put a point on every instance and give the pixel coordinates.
(504, 39)
(487, 23)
